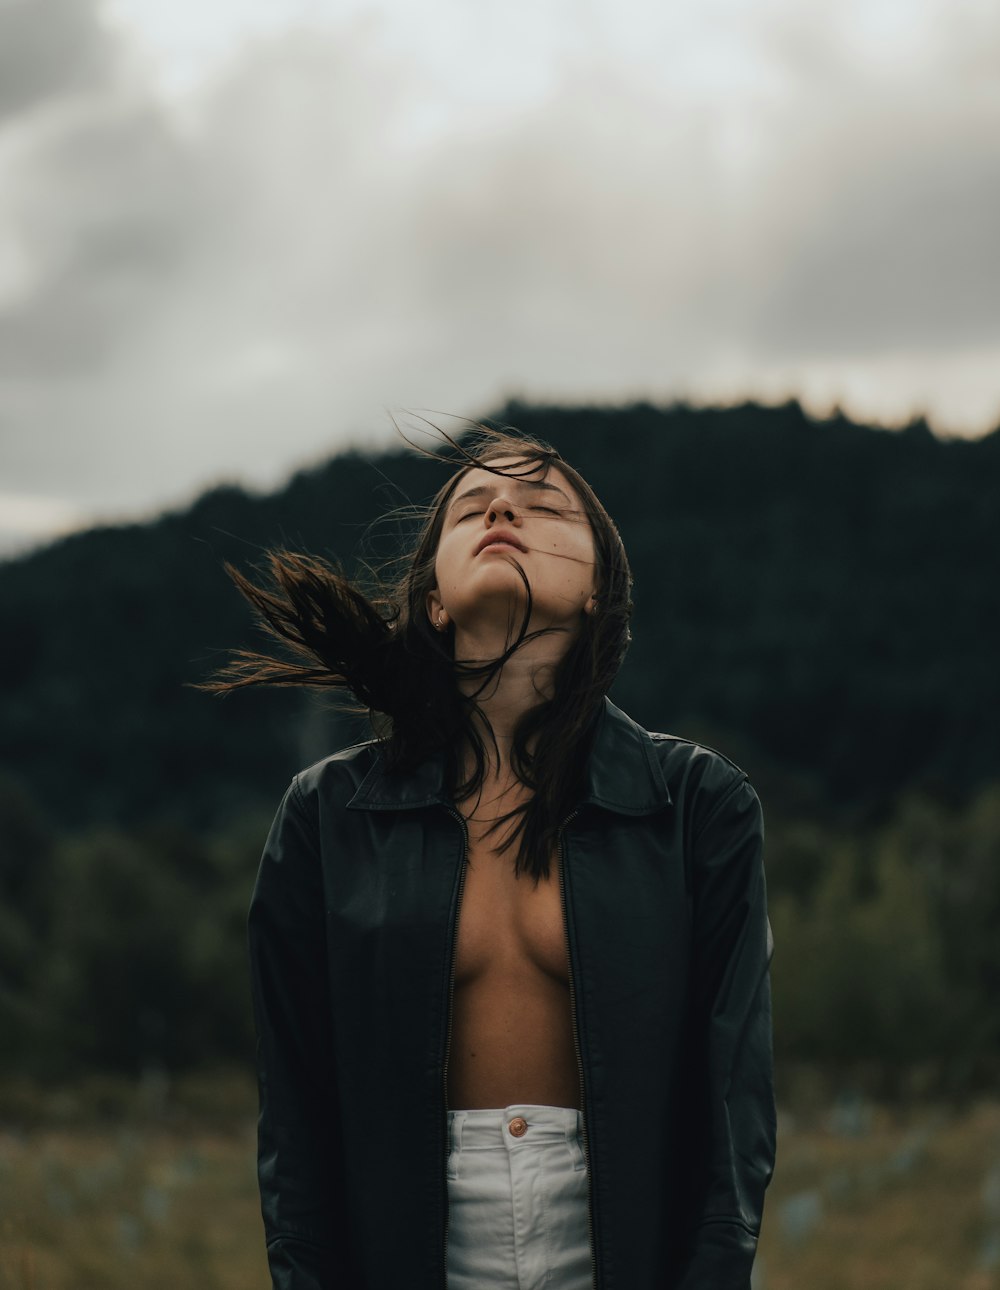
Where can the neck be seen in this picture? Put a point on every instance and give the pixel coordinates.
(524, 681)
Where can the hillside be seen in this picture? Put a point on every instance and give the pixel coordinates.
(819, 597)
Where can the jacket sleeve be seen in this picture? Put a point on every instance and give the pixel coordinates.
(734, 1143)
(298, 1157)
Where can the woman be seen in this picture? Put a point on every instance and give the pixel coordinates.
(510, 959)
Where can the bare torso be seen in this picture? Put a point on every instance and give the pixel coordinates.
(511, 1038)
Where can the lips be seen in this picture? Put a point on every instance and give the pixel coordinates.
(500, 537)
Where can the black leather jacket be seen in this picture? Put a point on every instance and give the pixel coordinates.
(352, 933)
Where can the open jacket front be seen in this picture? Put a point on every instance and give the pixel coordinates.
(352, 932)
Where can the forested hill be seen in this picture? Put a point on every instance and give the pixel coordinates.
(819, 598)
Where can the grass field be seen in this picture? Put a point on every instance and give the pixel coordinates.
(110, 1187)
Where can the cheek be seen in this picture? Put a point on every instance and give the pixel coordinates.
(574, 572)
(442, 577)
(446, 568)
(581, 559)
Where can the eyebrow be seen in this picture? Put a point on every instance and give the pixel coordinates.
(538, 484)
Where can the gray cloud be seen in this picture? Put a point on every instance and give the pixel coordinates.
(884, 193)
(107, 210)
(905, 258)
(48, 49)
(233, 294)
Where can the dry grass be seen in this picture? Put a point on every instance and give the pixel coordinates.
(904, 1203)
(112, 1187)
(161, 1198)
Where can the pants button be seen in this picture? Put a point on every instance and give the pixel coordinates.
(518, 1127)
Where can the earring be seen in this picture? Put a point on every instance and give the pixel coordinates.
(441, 622)
(593, 605)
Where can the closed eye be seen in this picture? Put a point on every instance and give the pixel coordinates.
(549, 510)
(467, 516)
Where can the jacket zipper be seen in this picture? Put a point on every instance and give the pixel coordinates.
(576, 1050)
(447, 1040)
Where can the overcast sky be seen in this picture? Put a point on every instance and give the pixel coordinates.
(236, 236)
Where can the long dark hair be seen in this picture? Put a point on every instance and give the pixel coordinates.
(382, 650)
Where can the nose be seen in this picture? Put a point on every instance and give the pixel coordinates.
(502, 511)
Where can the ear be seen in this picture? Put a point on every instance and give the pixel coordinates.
(434, 607)
(591, 606)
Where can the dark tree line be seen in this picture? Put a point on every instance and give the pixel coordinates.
(825, 595)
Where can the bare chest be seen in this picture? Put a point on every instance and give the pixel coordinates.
(508, 925)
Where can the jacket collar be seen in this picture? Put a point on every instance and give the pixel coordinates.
(623, 775)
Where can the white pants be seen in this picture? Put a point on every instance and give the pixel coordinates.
(517, 1200)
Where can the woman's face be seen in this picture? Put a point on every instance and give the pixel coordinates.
(494, 523)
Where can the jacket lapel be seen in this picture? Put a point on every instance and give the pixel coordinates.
(623, 774)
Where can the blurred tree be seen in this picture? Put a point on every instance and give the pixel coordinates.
(26, 867)
(861, 977)
(145, 963)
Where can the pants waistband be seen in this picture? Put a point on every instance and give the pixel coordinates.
(523, 1124)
